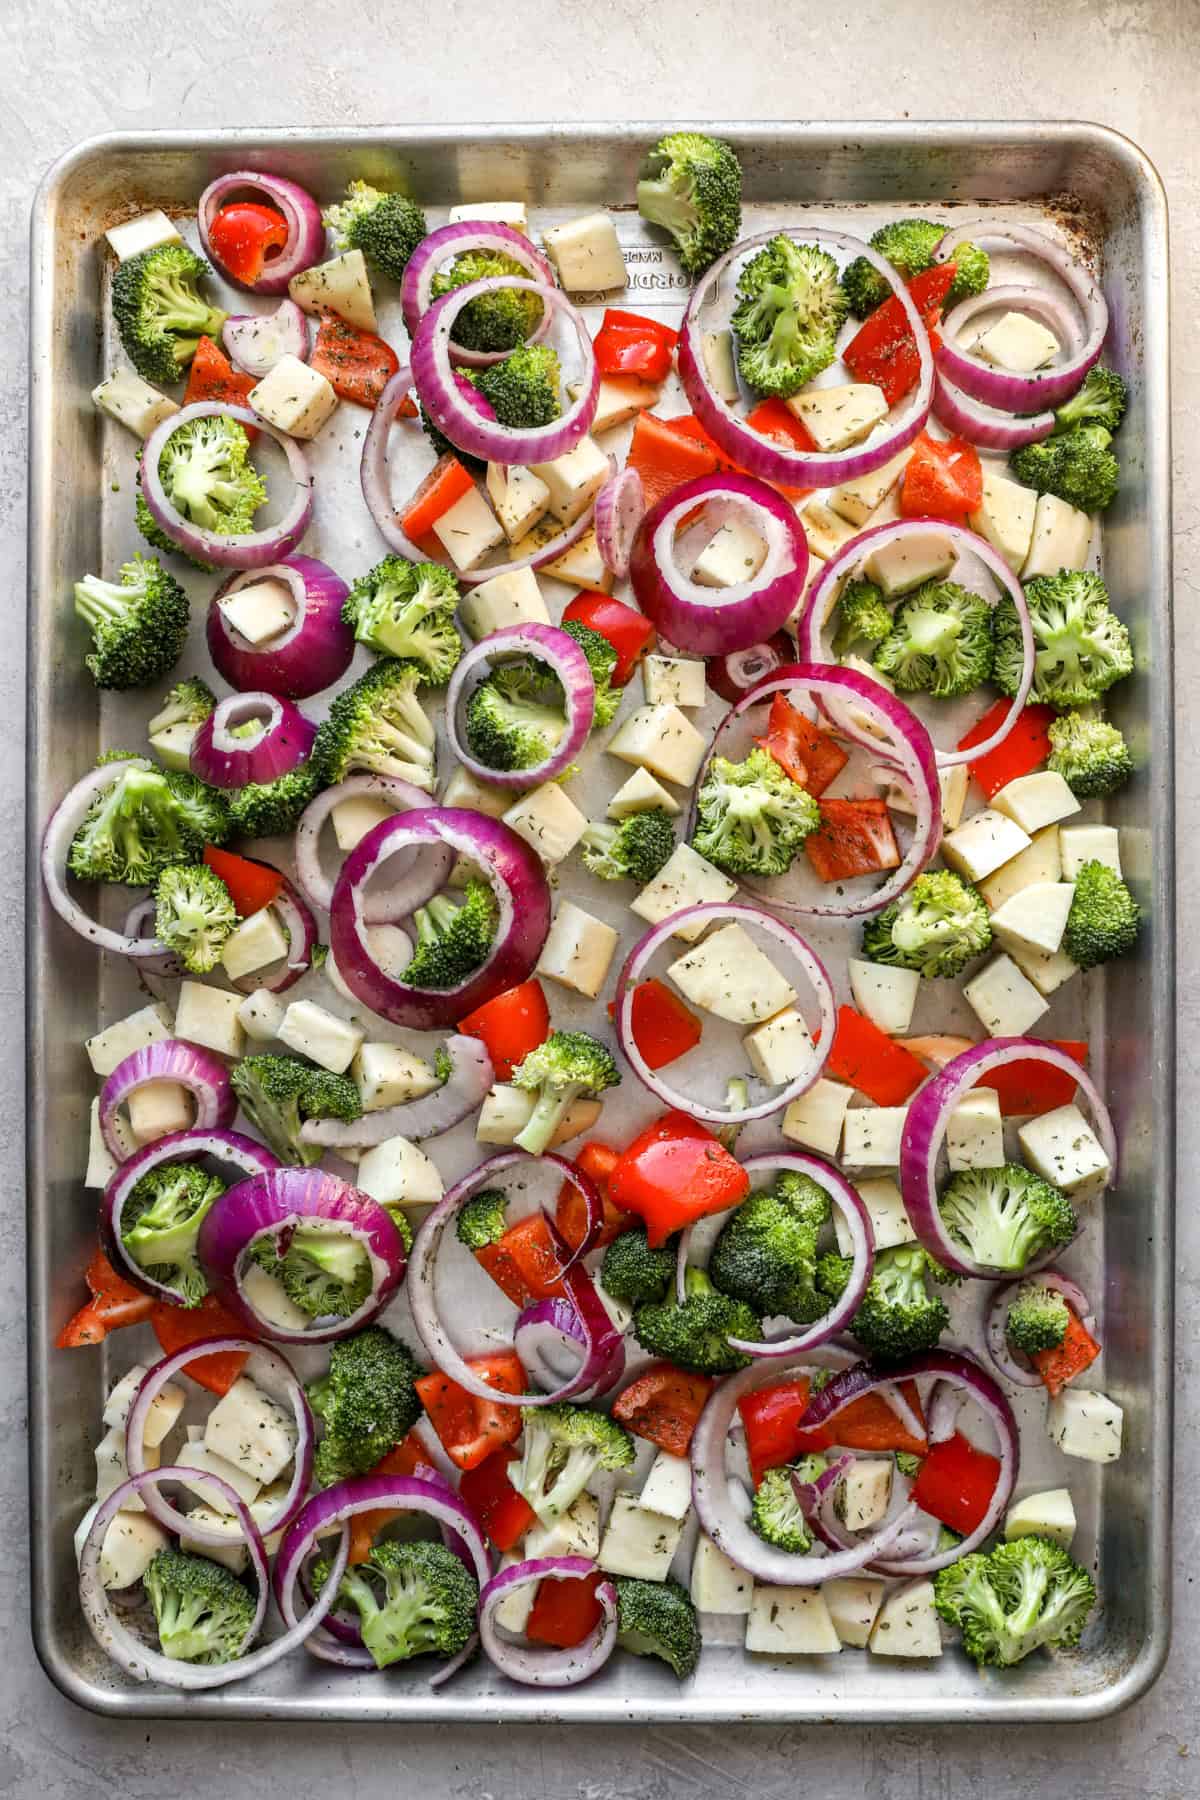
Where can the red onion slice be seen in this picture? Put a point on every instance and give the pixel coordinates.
(306, 233)
(170, 1059)
(61, 827)
(620, 508)
(223, 759)
(255, 342)
(511, 868)
(547, 1666)
(983, 425)
(734, 675)
(550, 645)
(471, 1076)
(139, 924)
(249, 550)
(550, 1340)
(1021, 297)
(1012, 1363)
(426, 867)
(416, 289)
(759, 455)
(316, 649)
(925, 1128)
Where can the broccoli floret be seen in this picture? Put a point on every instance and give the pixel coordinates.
(147, 819)
(482, 1220)
(412, 1599)
(940, 642)
(160, 1222)
(972, 272)
(150, 529)
(367, 1401)
(496, 321)
(766, 1253)
(695, 1333)
(789, 310)
(174, 726)
(452, 941)
(1104, 919)
(634, 849)
(1078, 467)
(863, 617)
(1004, 1217)
(752, 818)
(908, 1464)
(386, 227)
(601, 660)
(208, 477)
(1036, 1319)
(377, 727)
(510, 733)
(194, 914)
(1090, 754)
(635, 1275)
(1100, 401)
(567, 1066)
(657, 1618)
(139, 624)
(326, 1273)
(406, 610)
(1081, 646)
(277, 1094)
(562, 1448)
(264, 809)
(201, 1609)
(523, 389)
(691, 185)
(777, 1516)
(936, 929)
(1024, 1595)
(909, 244)
(898, 1316)
(160, 312)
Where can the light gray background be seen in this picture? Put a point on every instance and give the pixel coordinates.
(68, 70)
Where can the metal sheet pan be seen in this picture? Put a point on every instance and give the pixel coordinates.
(1101, 192)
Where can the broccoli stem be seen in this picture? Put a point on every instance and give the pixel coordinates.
(546, 1117)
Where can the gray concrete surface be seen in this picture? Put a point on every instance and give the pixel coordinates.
(68, 70)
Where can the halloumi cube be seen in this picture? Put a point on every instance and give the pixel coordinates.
(261, 1014)
(1084, 1422)
(907, 1623)
(131, 1542)
(1062, 1147)
(884, 1202)
(294, 397)
(259, 611)
(981, 846)
(209, 1016)
(148, 1025)
(638, 1542)
(341, 286)
(315, 1032)
(1018, 343)
(1062, 537)
(548, 820)
(582, 565)
(673, 681)
(733, 555)
(520, 498)
(1089, 843)
(885, 993)
(857, 499)
(1040, 861)
(1036, 801)
(468, 530)
(252, 1431)
(826, 532)
(862, 1496)
(159, 1107)
(112, 1469)
(352, 819)
(200, 1457)
(904, 563)
(975, 1132)
(389, 1075)
(1005, 1002)
(146, 232)
(781, 1048)
(586, 253)
(641, 793)
(513, 598)
(575, 1532)
(718, 1585)
(853, 1602)
(492, 212)
(663, 740)
(132, 402)
(816, 1118)
(161, 1415)
(730, 976)
(685, 879)
(1004, 517)
(578, 950)
(871, 1136)
(618, 399)
(1050, 1514)
(574, 478)
(716, 348)
(507, 1110)
(101, 1163)
(836, 417)
(667, 1489)
(790, 1621)
(1035, 918)
(463, 790)
(1048, 970)
(399, 1173)
(254, 944)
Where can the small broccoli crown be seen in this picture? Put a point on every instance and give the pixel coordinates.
(863, 617)
(406, 610)
(908, 1464)
(324, 1271)
(452, 941)
(160, 312)
(602, 661)
(909, 245)
(898, 1316)
(160, 1222)
(1023, 1596)
(789, 310)
(265, 809)
(208, 477)
(148, 819)
(1037, 1318)
(139, 624)
(508, 732)
(194, 914)
(277, 1093)
(777, 1516)
(695, 1333)
(657, 1618)
(386, 227)
(940, 642)
(1090, 754)
(691, 185)
(1100, 401)
(189, 702)
(496, 321)
(523, 389)
(1104, 919)
(972, 272)
(482, 1220)
(833, 1272)
(413, 1598)
(367, 1401)
(1004, 1217)
(766, 1253)
(562, 1448)
(1081, 646)
(568, 1066)
(635, 1275)
(377, 726)
(752, 818)
(201, 1609)
(634, 849)
(1078, 467)
(936, 929)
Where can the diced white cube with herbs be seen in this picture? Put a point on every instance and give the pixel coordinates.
(732, 556)
(836, 417)
(1089, 843)
(574, 479)
(905, 562)
(730, 976)
(162, 1413)
(642, 793)
(667, 1489)
(341, 286)
(520, 499)
(871, 1136)
(1037, 800)
(884, 1202)
(987, 841)
(857, 499)
(716, 348)
(663, 740)
(790, 1621)
(101, 1163)
(261, 1014)
(638, 1542)
(1041, 861)
(907, 1623)
(1035, 918)
(718, 1584)
(548, 820)
(352, 819)
(586, 253)
(1062, 537)
(582, 565)
(147, 232)
(1017, 343)
(209, 1016)
(294, 398)
(1062, 1147)
(673, 681)
(815, 1119)
(463, 790)
(148, 1025)
(259, 611)
(781, 1048)
(254, 944)
(399, 1173)
(315, 1032)
(157, 1108)
(1006, 1003)
(1050, 1514)
(513, 598)
(468, 530)
(1005, 516)
(862, 1495)
(252, 1431)
(826, 531)
(507, 1110)
(1085, 1423)
(578, 950)
(133, 403)
(491, 212)
(975, 1132)
(853, 1602)
(389, 1075)
(619, 398)
(575, 1532)
(685, 879)
(886, 994)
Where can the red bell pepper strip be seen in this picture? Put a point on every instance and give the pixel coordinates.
(442, 488)
(470, 1427)
(243, 235)
(523, 1262)
(564, 1611)
(675, 1172)
(502, 1513)
(510, 1026)
(495, 1261)
(866, 1059)
(774, 1435)
(628, 631)
(1031, 1086)
(955, 1483)
(664, 1029)
(1026, 747)
(663, 1406)
(884, 350)
(408, 1458)
(1077, 1352)
(809, 756)
(177, 1326)
(211, 376)
(629, 344)
(357, 364)
(941, 480)
(855, 837)
(666, 456)
(252, 885)
(114, 1303)
(596, 1160)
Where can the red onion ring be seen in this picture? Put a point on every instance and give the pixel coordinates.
(1038, 301)
(511, 868)
(620, 508)
(61, 827)
(301, 930)
(544, 1328)
(306, 233)
(170, 1059)
(426, 867)
(925, 1127)
(255, 342)
(139, 924)
(248, 550)
(314, 651)
(471, 1076)
(639, 959)
(1012, 1363)
(734, 675)
(548, 1667)
(224, 760)
(448, 241)
(983, 425)
(568, 662)
(759, 455)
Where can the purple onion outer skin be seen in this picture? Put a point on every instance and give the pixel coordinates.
(984, 426)
(310, 656)
(454, 240)
(555, 647)
(285, 743)
(171, 1059)
(254, 549)
(548, 1666)
(306, 231)
(435, 862)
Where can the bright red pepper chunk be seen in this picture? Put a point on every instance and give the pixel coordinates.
(675, 1172)
(597, 1161)
(941, 480)
(503, 1514)
(510, 1026)
(955, 1483)
(211, 376)
(246, 236)
(1032, 1086)
(629, 344)
(1026, 747)
(252, 885)
(663, 1405)
(855, 837)
(884, 350)
(357, 364)
(564, 1611)
(664, 1029)
(811, 757)
(469, 1426)
(1077, 1352)
(774, 1436)
(866, 1059)
(629, 632)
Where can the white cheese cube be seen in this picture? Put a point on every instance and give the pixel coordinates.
(685, 879)
(903, 564)
(294, 397)
(638, 1542)
(260, 1015)
(101, 1164)
(1006, 1003)
(111, 1468)
(986, 841)
(780, 1049)
(790, 1621)
(1085, 1423)
(252, 1431)
(1050, 1514)
(885, 1205)
(468, 530)
(266, 1294)
(871, 1136)
(320, 1035)
(574, 479)
(837, 417)
(1035, 918)
(1047, 970)
(149, 1025)
(352, 819)
(733, 555)
(618, 399)
(718, 1585)
(511, 599)
(462, 789)
(1035, 801)
(586, 253)
(146, 232)
(197, 1455)
(862, 1496)
(573, 1533)
(389, 1075)
(340, 286)
(492, 212)
(173, 744)
(853, 1602)
(1005, 516)
(1018, 343)
(512, 1613)
(260, 611)
(582, 565)
(1039, 862)
(209, 1016)
(159, 1107)
(667, 1489)
(907, 1624)
(887, 995)
(856, 500)
(578, 950)
(399, 1173)
(975, 1132)
(548, 820)
(1089, 843)
(131, 1543)
(256, 943)
(716, 348)
(1062, 537)
(164, 1409)
(952, 784)
(673, 681)
(1062, 1147)
(730, 976)
(520, 499)
(827, 532)
(507, 1110)
(663, 740)
(816, 1118)
(641, 793)
(233, 1557)
(133, 403)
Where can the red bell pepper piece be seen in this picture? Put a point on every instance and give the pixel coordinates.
(663, 1405)
(503, 1514)
(243, 236)
(855, 837)
(357, 364)
(114, 1303)
(664, 1029)
(597, 1161)
(955, 1483)
(177, 1326)
(442, 488)
(866, 1059)
(510, 1026)
(941, 480)
(409, 1457)
(211, 376)
(252, 885)
(1077, 1352)
(523, 1262)
(629, 632)
(1030, 1086)
(666, 456)
(1026, 747)
(470, 1427)
(774, 419)
(809, 756)
(564, 1611)
(884, 350)
(674, 1172)
(629, 344)
(774, 1433)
